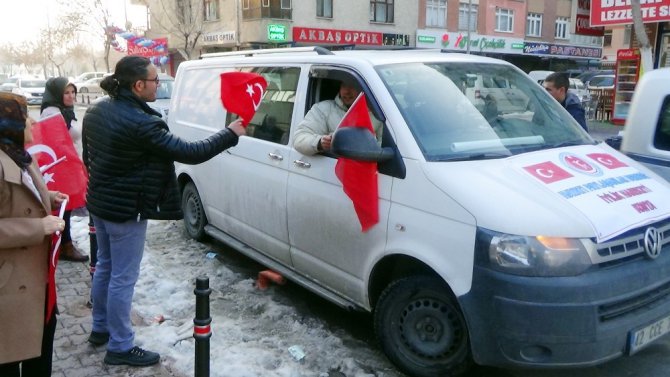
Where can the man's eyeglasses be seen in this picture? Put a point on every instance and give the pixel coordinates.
(156, 80)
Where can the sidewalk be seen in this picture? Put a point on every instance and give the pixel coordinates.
(601, 130)
(73, 355)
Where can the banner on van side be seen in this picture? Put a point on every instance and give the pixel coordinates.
(613, 195)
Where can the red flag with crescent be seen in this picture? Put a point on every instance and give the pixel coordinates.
(59, 163)
(242, 93)
(359, 178)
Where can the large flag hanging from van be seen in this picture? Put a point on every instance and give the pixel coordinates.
(242, 93)
(359, 178)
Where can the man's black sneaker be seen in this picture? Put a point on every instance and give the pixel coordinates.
(136, 357)
(98, 338)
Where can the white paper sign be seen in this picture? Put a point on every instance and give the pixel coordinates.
(614, 196)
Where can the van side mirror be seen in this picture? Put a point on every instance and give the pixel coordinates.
(359, 144)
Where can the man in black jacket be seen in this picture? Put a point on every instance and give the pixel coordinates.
(130, 154)
(557, 84)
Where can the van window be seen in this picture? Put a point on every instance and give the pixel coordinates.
(503, 114)
(272, 121)
(662, 136)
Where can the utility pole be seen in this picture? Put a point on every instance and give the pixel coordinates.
(468, 41)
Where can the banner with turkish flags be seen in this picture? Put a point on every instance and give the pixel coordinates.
(242, 93)
(359, 178)
(59, 163)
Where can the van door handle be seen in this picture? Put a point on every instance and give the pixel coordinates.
(302, 164)
(276, 156)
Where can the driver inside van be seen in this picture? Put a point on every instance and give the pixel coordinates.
(315, 133)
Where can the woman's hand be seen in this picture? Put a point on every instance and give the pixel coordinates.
(52, 224)
(237, 127)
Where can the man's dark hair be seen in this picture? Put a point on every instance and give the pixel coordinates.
(127, 71)
(559, 79)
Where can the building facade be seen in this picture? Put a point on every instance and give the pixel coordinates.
(532, 34)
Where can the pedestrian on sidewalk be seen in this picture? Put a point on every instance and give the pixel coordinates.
(130, 154)
(59, 96)
(27, 300)
(557, 84)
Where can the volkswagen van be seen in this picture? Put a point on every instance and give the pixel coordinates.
(507, 238)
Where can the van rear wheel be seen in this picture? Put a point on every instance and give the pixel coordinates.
(421, 329)
(194, 213)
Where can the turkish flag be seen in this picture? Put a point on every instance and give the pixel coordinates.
(359, 178)
(61, 167)
(242, 92)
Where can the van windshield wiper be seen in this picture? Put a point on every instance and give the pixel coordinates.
(470, 157)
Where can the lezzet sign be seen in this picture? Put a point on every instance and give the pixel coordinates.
(618, 12)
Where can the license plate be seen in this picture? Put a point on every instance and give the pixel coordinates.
(640, 338)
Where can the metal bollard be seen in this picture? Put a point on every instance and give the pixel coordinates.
(93, 249)
(201, 326)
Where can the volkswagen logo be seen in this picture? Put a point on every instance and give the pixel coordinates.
(652, 242)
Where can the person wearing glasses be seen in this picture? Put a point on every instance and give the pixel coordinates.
(130, 154)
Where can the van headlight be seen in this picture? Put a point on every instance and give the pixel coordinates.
(534, 256)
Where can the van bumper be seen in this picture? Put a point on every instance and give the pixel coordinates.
(564, 321)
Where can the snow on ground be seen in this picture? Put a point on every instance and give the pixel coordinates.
(252, 329)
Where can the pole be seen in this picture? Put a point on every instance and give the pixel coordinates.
(201, 326)
(93, 249)
(468, 42)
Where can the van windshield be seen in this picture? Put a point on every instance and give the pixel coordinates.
(466, 111)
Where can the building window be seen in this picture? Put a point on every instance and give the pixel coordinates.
(562, 28)
(534, 25)
(255, 9)
(324, 8)
(381, 11)
(607, 38)
(627, 32)
(436, 13)
(504, 20)
(463, 17)
(211, 10)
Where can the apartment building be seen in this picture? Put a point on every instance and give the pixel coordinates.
(533, 34)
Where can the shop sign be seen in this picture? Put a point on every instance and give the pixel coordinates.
(539, 48)
(219, 37)
(334, 36)
(395, 39)
(620, 12)
(581, 13)
(459, 42)
(276, 32)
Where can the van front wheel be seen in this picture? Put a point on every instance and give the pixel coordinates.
(194, 214)
(421, 329)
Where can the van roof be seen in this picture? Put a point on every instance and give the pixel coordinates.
(321, 55)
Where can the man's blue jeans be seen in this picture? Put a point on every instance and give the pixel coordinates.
(120, 250)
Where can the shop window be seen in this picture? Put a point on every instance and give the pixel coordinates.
(381, 11)
(662, 136)
(436, 13)
(463, 16)
(504, 20)
(324, 8)
(534, 25)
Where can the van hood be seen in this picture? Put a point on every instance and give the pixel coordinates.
(583, 191)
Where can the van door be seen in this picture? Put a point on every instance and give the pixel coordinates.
(327, 244)
(253, 190)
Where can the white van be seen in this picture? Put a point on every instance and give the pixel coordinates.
(510, 239)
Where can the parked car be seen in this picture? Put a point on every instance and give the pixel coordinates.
(163, 95)
(32, 89)
(512, 240)
(539, 76)
(87, 76)
(90, 86)
(587, 75)
(578, 87)
(601, 82)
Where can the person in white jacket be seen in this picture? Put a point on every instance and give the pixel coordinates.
(314, 134)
